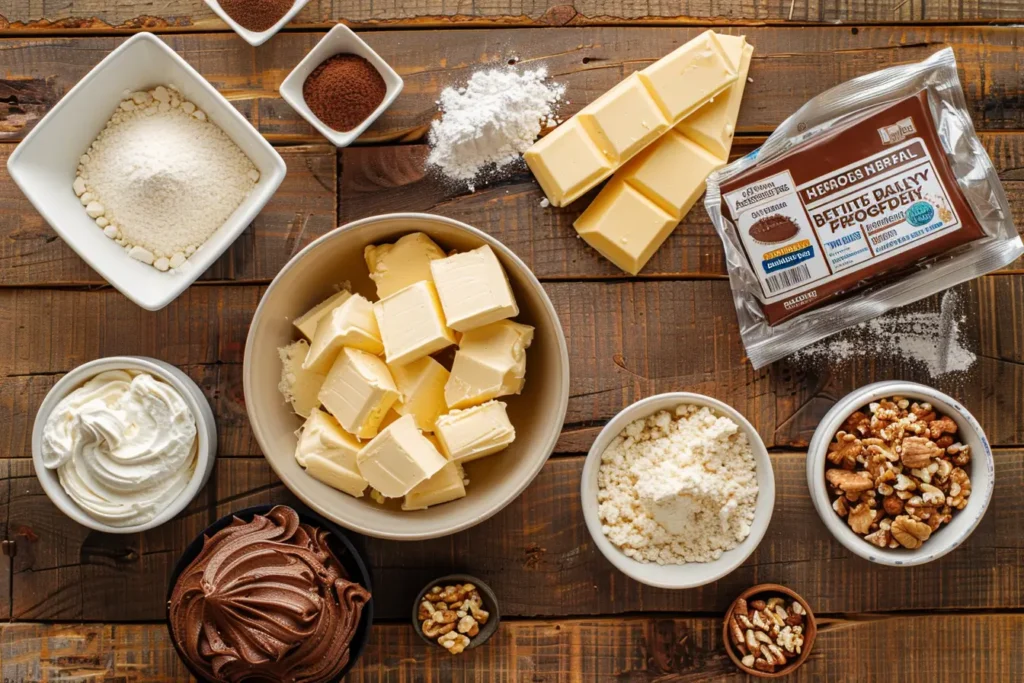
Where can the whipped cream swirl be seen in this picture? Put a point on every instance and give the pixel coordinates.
(124, 446)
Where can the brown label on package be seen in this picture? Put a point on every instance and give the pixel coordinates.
(844, 211)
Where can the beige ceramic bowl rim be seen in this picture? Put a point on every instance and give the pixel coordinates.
(730, 560)
(561, 383)
(982, 474)
(206, 433)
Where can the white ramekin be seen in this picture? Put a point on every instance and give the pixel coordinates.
(692, 574)
(193, 397)
(949, 536)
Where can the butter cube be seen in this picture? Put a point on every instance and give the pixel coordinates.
(624, 226)
(672, 172)
(350, 324)
(421, 384)
(445, 486)
(399, 458)
(298, 385)
(714, 125)
(308, 321)
(396, 266)
(689, 76)
(329, 453)
(474, 289)
(470, 434)
(490, 362)
(412, 323)
(624, 120)
(567, 163)
(359, 391)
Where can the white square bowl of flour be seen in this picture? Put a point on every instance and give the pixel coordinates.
(677, 490)
(47, 163)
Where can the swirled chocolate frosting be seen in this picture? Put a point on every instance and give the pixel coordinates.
(266, 600)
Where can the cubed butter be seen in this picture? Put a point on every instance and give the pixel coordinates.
(672, 173)
(490, 362)
(624, 226)
(358, 392)
(398, 265)
(399, 458)
(714, 125)
(690, 76)
(470, 434)
(421, 384)
(350, 324)
(329, 454)
(567, 162)
(624, 120)
(308, 321)
(445, 486)
(299, 386)
(412, 323)
(474, 289)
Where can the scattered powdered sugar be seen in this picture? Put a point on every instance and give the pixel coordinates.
(488, 124)
(931, 339)
(677, 488)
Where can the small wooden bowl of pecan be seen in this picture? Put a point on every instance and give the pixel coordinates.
(457, 612)
(769, 631)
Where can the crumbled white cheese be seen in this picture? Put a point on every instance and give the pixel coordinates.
(678, 490)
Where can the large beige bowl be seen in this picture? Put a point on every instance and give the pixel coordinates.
(537, 414)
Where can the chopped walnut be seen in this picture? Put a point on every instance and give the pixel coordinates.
(768, 634)
(897, 459)
(452, 615)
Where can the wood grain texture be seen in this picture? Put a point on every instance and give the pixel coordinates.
(130, 15)
(638, 649)
(37, 72)
(304, 208)
(537, 555)
(627, 340)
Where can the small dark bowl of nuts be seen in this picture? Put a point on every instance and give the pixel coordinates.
(769, 631)
(457, 612)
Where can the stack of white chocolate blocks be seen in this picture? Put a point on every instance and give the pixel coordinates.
(381, 411)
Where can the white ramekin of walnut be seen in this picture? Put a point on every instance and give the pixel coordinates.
(900, 473)
(769, 631)
(456, 612)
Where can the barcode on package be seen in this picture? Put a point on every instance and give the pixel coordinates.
(787, 278)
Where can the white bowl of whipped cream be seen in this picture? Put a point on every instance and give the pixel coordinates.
(123, 444)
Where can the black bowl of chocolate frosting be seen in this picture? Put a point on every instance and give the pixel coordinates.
(270, 593)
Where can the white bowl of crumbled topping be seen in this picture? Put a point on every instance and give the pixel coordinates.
(927, 471)
(678, 490)
(173, 153)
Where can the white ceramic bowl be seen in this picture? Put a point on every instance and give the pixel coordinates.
(948, 537)
(692, 574)
(257, 38)
(537, 414)
(190, 392)
(339, 40)
(44, 165)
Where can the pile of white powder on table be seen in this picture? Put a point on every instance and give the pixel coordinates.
(161, 178)
(486, 125)
(677, 488)
(931, 339)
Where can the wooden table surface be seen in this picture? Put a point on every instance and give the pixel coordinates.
(78, 605)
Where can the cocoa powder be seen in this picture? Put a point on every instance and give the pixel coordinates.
(256, 15)
(343, 91)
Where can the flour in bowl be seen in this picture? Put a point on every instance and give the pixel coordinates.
(161, 178)
(677, 488)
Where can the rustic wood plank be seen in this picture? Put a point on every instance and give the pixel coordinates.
(627, 340)
(65, 15)
(5, 560)
(384, 179)
(304, 208)
(979, 647)
(588, 60)
(537, 555)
